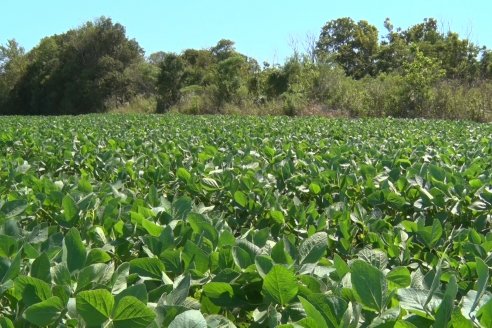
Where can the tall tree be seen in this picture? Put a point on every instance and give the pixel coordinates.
(81, 71)
(13, 63)
(352, 45)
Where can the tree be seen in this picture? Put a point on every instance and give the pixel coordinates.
(352, 45)
(89, 69)
(486, 65)
(170, 81)
(419, 76)
(13, 63)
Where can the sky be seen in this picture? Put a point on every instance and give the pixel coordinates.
(262, 29)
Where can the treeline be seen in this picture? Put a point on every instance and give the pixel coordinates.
(349, 70)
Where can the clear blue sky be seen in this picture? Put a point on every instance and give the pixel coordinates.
(262, 29)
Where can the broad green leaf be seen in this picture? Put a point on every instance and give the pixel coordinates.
(6, 323)
(485, 314)
(201, 225)
(241, 257)
(313, 248)
(369, 284)
(181, 208)
(220, 293)
(74, 252)
(97, 255)
(131, 313)
(8, 246)
(189, 319)
(44, 313)
(40, 268)
(139, 291)
(183, 174)
(195, 257)
(241, 198)
(482, 283)
(394, 200)
(180, 291)
(98, 274)
(218, 321)
(14, 267)
(430, 235)
(263, 264)
(280, 285)
(152, 228)
(445, 310)
(119, 278)
(341, 266)
(332, 308)
(95, 306)
(400, 277)
(387, 319)
(314, 188)
(414, 300)
(69, 208)
(147, 267)
(32, 290)
(277, 216)
(435, 282)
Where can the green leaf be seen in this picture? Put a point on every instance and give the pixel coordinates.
(200, 225)
(139, 291)
(430, 235)
(218, 321)
(314, 188)
(330, 307)
(414, 300)
(181, 208)
(44, 313)
(40, 268)
(32, 290)
(241, 198)
(147, 267)
(180, 291)
(69, 208)
(313, 313)
(6, 323)
(369, 283)
(189, 319)
(400, 277)
(195, 257)
(263, 264)
(313, 248)
(74, 253)
(14, 267)
(241, 257)
(131, 313)
(394, 200)
(8, 246)
(277, 216)
(341, 266)
(220, 293)
(152, 228)
(183, 174)
(485, 314)
(444, 312)
(84, 185)
(280, 284)
(97, 255)
(95, 306)
(482, 283)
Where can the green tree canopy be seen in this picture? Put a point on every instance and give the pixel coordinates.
(81, 71)
(352, 45)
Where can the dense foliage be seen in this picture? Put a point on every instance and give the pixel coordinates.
(349, 70)
(179, 221)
